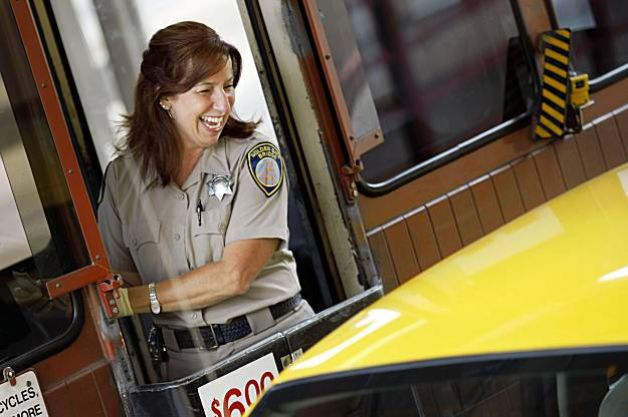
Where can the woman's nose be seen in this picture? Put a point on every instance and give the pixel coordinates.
(221, 101)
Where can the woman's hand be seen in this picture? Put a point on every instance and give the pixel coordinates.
(123, 304)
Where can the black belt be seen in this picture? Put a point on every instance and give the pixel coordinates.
(214, 335)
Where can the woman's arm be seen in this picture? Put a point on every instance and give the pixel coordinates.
(130, 279)
(110, 225)
(212, 283)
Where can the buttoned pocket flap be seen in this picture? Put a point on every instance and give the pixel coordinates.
(211, 223)
(143, 233)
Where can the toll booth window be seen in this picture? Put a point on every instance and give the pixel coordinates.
(439, 72)
(104, 42)
(39, 233)
(600, 38)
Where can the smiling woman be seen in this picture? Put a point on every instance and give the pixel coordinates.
(196, 205)
(192, 74)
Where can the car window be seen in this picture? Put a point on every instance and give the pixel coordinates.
(599, 36)
(431, 74)
(40, 237)
(506, 389)
(478, 397)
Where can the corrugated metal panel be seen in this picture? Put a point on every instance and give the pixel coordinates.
(466, 215)
(400, 244)
(612, 147)
(507, 193)
(444, 225)
(529, 183)
(423, 238)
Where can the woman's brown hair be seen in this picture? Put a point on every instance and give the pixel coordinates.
(178, 57)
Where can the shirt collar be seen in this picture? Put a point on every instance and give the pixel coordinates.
(212, 161)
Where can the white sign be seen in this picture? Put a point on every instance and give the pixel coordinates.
(232, 394)
(24, 399)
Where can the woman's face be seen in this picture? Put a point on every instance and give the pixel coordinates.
(200, 113)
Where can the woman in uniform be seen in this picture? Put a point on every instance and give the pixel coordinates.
(196, 205)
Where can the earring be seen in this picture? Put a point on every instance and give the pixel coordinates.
(167, 109)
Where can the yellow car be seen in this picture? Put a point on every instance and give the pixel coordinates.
(531, 320)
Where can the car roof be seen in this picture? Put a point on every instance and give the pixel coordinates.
(555, 278)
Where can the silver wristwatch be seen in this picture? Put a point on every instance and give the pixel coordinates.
(155, 307)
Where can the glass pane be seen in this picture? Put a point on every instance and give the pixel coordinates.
(40, 237)
(520, 392)
(600, 38)
(440, 72)
(104, 41)
(349, 63)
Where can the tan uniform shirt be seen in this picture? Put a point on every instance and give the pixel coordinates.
(156, 230)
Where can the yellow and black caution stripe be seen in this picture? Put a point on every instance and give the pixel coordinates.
(551, 114)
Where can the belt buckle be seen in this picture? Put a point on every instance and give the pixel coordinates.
(215, 346)
(199, 341)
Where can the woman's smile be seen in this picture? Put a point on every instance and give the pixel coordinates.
(213, 123)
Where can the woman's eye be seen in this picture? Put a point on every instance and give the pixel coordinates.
(229, 86)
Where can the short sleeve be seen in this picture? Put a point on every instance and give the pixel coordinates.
(110, 225)
(260, 205)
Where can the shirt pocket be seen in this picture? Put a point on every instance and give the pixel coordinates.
(209, 237)
(143, 240)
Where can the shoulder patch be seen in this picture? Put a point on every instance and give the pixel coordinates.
(266, 167)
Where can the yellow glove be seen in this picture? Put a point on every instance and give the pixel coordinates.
(123, 303)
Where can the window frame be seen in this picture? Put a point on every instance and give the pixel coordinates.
(57, 344)
(609, 78)
(357, 145)
(323, 54)
(600, 82)
(98, 268)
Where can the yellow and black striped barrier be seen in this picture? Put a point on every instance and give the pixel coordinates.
(551, 115)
